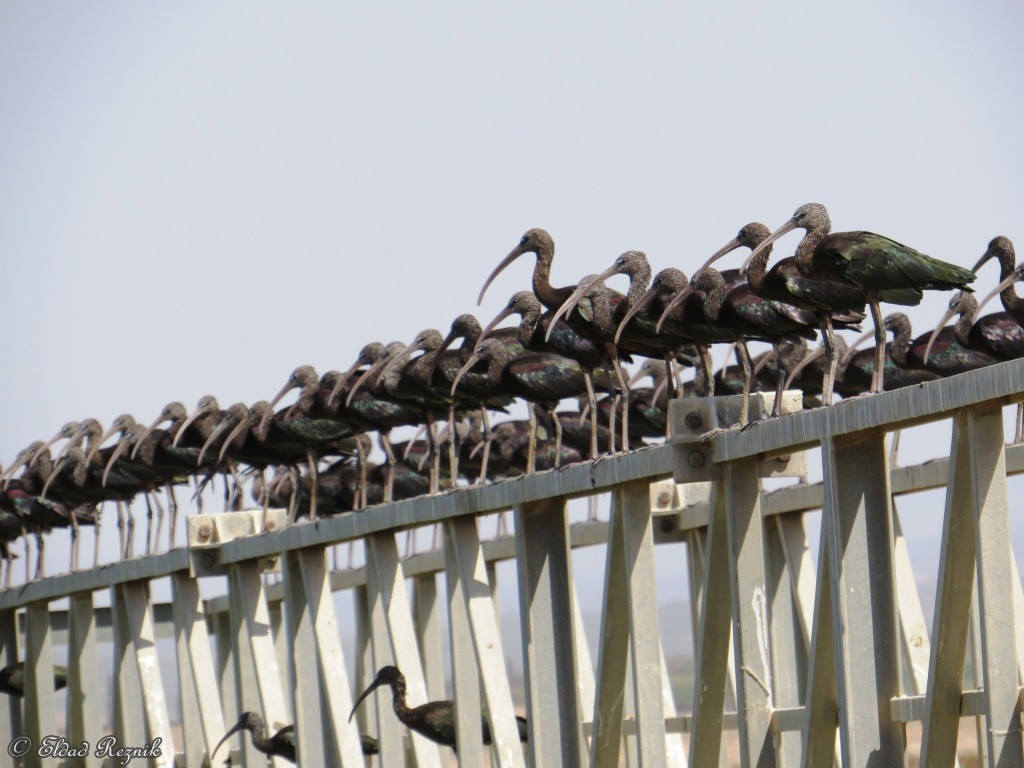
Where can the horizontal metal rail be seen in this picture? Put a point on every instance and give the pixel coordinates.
(817, 648)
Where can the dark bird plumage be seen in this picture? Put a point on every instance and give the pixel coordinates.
(436, 720)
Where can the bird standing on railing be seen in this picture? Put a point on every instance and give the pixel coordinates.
(436, 720)
(880, 268)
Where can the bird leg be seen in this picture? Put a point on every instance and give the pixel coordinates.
(669, 377)
(557, 426)
(96, 538)
(237, 495)
(878, 374)
(389, 467)
(531, 450)
(743, 355)
(435, 455)
(709, 369)
(625, 403)
(360, 496)
(73, 564)
(311, 459)
(487, 438)
(120, 527)
(453, 444)
(40, 553)
(592, 402)
(28, 559)
(149, 522)
(612, 419)
(293, 499)
(172, 506)
(130, 540)
(831, 359)
(199, 500)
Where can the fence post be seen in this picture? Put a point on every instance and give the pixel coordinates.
(465, 546)
(195, 666)
(390, 606)
(750, 616)
(857, 521)
(39, 714)
(549, 645)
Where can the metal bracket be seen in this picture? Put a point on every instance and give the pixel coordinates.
(694, 420)
(207, 532)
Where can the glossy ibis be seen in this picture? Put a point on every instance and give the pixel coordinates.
(282, 743)
(785, 284)
(877, 266)
(533, 333)
(973, 344)
(12, 679)
(634, 265)
(540, 378)
(540, 243)
(436, 720)
(467, 328)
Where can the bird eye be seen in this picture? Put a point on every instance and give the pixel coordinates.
(523, 239)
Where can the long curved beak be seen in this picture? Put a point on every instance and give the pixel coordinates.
(981, 260)
(217, 432)
(514, 254)
(111, 430)
(233, 435)
(412, 441)
(762, 362)
(789, 226)
(185, 425)
(641, 373)
(643, 302)
(22, 460)
(473, 360)
(288, 387)
(57, 467)
(344, 378)
(674, 302)
(808, 359)
(395, 361)
(373, 686)
(579, 293)
(935, 334)
(452, 335)
(506, 312)
(120, 448)
(729, 247)
(39, 451)
(372, 370)
(658, 390)
(148, 431)
(234, 729)
(1016, 276)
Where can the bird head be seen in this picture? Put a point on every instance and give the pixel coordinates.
(534, 241)
(385, 676)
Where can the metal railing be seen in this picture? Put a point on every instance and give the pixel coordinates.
(813, 663)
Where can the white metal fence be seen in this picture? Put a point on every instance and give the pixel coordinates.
(812, 662)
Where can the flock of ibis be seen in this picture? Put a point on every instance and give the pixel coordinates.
(570, 343)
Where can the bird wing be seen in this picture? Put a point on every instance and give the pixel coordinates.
(877, 263)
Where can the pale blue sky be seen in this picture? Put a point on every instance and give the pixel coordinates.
(195, 198)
